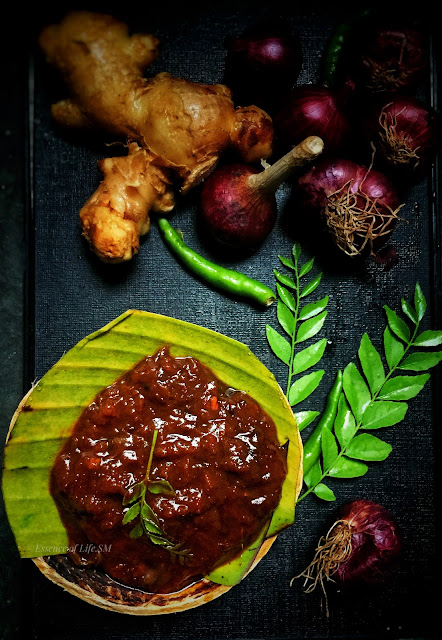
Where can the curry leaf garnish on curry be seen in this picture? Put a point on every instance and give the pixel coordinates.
(148, 522)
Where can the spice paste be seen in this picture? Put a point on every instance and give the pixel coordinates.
(215, 446)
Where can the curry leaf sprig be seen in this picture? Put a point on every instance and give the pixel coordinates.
(148, 523)
(300, 322)
(373, 397)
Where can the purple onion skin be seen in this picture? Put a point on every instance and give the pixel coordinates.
(399, 49)
(409, 120)
(376, 543)
(330, 176)
(233, 214)
(314, 110)
(262, 65)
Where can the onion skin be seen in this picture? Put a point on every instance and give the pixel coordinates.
(376, 543)
(262, 64)
(391, 60)
(234, 214)
(329, 176)
(406, 135)
(314, 110)
(331, 181)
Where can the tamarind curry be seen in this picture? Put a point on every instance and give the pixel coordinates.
(216, 451)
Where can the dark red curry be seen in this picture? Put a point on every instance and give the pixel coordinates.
(215, 446)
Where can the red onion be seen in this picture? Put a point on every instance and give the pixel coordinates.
(262, 63)
(314, 110)
(362, 547)
(359, 205)
(238, 205)
(392, 59)
(406, 135)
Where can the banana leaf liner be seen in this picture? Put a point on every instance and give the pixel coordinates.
(47, 415)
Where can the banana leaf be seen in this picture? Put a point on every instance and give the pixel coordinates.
(47, 416)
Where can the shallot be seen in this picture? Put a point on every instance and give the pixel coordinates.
(391, 59)
(359, 205)
(406, 135)
(315, 110)
(238, 204)
(361, 547)
(262, 63)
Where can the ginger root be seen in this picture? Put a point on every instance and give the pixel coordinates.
(175, 129)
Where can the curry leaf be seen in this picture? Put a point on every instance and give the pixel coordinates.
(287, 262)
(132, 513)
(286, 297)
(304, 418)
(347, 468)
(308, 357)
(311, 286)
(300, 325)
(306, 268)
(397, 325)
(313, 308)
(296, 251)
(151, 527)
(161, 486)
(314, 476)
(279, 345)
(137, 531)
(409, 311)
(421, 361)
(135, 492)
(311, 327)
(324, 492)
(148, 513)
(345, 423)
(285, 280)
(371, 364)
(285, 317)
(419, 302)
(383, 413)
(369, 448)
(303, 387)
(148, 523)
(394, 348)
(403, 387)
(428, 339)
(356, 391)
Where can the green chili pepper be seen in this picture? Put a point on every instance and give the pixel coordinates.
(335, 48)
(312, 447)
(220, 277)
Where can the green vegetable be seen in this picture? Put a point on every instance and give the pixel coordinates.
(148, 523)
(222, 278)
(300, 323)
(373, 399)
(312, 447)
(335, 48)
(50, 411)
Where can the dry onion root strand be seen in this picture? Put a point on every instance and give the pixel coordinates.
(384, 78)
(396, 145)
(333, 549)
(346, 220)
